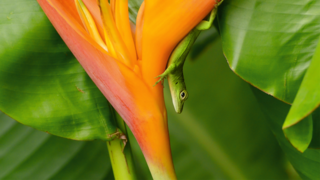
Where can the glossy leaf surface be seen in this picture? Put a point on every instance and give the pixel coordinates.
(42, 84)
(306, 101)
(307, 164)
(26, 153)
(308, 97)
(300, 134)
(270, 43)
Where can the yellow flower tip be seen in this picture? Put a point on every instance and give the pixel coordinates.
(118, 39)
(123, 25)
(109, 45)
(89, 23)
(113, 6)
(113, 34)
(139, 27)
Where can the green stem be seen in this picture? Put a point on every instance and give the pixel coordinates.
(121, 156)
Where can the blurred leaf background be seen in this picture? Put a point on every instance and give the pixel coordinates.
(26, 153)
(228, 130)
(222, 134)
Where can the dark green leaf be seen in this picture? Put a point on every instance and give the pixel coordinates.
(42, 84)
(308, 97)
(315, 143)
(26, 153)
(308, 163)
(300, 134)
(270, 43)
(306, 101)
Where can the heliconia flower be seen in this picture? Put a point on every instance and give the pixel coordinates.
(123, 62)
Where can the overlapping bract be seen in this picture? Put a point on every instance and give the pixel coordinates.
(100, 38)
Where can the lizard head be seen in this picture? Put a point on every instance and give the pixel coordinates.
(179, 95)
(179, 100)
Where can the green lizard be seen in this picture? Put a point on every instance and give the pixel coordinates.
(174, 71)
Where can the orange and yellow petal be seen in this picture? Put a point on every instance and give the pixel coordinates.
(67, 10)
(165, 23)
(124, 89)
(139, 28)
(123, 25)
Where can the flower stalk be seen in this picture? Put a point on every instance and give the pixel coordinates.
(121, 155)
(121, 161)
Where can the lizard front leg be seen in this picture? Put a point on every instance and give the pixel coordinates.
(165, 74)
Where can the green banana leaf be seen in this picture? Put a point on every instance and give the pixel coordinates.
(306, 101)
(270, 43)
(307, 164)
(42, 84)
(26, 153)
(300, 135)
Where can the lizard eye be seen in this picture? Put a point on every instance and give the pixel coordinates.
(183, 95)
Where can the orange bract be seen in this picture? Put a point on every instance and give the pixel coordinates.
(121, 15)
(124, 64)
(139, 28)
(166, 22)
